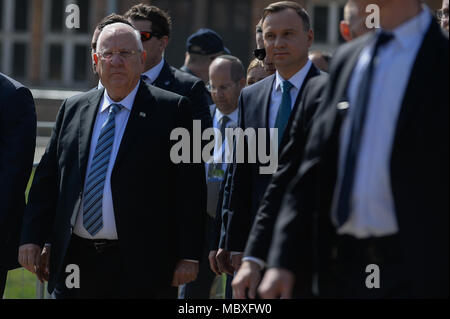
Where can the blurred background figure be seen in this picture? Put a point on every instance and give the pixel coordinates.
(260, 52)
(256, 72)
(321, 59)
(442, 15)
(202, 48)
(353, 24)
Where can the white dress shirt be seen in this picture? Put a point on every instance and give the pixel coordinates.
(275, 99)
(154, 72)
(372, 205)
(217, 123)
(109, 230)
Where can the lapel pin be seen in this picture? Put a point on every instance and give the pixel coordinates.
(142, 114)
(343, 106)
(167, 83)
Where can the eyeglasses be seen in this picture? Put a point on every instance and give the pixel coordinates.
(124, 54)
(260, 54)
(442, 14)
(147, 35)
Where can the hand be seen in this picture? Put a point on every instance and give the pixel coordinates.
(43, 267)
(185, 272)
(248, 277)
(29, 255)
(213, 262)
(236, 261)
(277, 283)
(224, 262)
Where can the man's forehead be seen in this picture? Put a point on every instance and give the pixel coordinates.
(113, 38)
(282, 20)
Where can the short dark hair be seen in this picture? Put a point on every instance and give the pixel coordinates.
(161, 21)
(237, 68)
(283, 5)
(109, 19)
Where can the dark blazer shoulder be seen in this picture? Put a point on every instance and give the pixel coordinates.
(8, 86)
(259, 87)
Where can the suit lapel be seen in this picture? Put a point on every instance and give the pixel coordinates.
(165, 79)
(263, 120)
(88, 115)
(141, 110)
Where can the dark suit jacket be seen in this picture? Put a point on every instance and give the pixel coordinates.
(154, 230)
(246, 186)
(261, 233)
(17, 144)
(185, 84)
(185, 69)
(419, 173)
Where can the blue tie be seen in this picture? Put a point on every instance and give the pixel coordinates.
(93, 192)
(284, 112)
(357, 124)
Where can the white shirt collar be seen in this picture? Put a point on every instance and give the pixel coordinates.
(297, 79)
(127, 102)
(154, 72)
(414, 29)
(233, 115)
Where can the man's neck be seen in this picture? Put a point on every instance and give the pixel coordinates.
(292, 70)
(395, 13)
(151, 66)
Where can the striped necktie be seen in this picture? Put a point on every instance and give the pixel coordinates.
(93, 192)
(284, 112)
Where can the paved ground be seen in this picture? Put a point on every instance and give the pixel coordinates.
(41, 144)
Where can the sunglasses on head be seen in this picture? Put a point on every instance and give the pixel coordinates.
(147, 35)
(260, 54)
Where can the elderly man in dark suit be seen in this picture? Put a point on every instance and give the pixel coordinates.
(17, 144)
(375, 175)
(102, 193)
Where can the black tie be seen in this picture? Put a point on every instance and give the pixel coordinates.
(357, 124)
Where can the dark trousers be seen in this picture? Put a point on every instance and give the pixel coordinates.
(3, 275)
(201, 287)
(348, 276)
(101, 275)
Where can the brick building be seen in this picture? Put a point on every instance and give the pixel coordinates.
(37, 49)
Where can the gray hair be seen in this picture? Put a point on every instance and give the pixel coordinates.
(135, 32)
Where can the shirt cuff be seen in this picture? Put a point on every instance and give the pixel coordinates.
(191, 260)
(232, 253)
(258, 261)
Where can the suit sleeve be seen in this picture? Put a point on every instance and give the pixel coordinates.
(200, 107)
(237, 202)
(190, 193)
(17, 145)
(41, 209)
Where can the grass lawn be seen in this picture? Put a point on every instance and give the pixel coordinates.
(21, 284)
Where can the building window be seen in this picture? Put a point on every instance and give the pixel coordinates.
(321, 23)
(56, 15)
(21, 15)
(19, 60)
(55, 62)
(81, 58)
(66, 57)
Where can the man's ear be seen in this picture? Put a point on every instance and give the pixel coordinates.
(344, 28)
(95, 58)
(164, 42)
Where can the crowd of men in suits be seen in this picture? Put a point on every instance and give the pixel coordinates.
(362, 177)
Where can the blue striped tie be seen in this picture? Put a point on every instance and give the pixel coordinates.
(93, 192)
(284, 112)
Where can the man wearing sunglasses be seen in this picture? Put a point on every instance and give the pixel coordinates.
(260, 52)
(155, 27)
